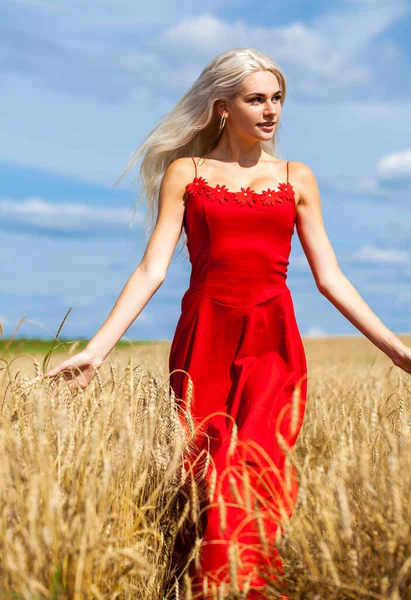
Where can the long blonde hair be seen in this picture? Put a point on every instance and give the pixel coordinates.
(192, 127)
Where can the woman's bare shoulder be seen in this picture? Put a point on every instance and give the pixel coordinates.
(300, 169)
(304, 182)
(184, 163)
(181, 169)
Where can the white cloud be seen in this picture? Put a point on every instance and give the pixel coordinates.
(395, 166)
(64, 217)
(358, 186)
(309, 55)
(372, 254)
(204, 31)
(350, 30)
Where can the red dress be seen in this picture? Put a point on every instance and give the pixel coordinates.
(238, 340)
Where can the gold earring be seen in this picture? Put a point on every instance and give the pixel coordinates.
(222, 121)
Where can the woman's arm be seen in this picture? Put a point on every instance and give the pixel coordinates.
(329, 278)
(151, 272)
(138, 290)
(343, 295)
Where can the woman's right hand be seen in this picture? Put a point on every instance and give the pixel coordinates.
(77, 371)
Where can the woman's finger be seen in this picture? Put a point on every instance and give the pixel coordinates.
(55, 371)
(60, 368)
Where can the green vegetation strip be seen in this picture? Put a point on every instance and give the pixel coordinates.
(36, 346)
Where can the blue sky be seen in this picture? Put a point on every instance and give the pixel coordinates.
(83, 83)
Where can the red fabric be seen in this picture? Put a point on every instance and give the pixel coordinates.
(238, 339)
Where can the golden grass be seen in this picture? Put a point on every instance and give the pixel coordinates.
(89, 482)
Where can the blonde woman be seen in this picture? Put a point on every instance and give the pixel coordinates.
(212, 178)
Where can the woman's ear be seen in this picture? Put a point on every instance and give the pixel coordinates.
(221, 106)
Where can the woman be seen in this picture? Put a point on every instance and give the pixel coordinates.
(210, 167)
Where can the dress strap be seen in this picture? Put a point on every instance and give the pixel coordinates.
(287, 171)
(195, 164)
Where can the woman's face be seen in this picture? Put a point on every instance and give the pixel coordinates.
(256, 103)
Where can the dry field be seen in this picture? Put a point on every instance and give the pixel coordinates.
(88, 482)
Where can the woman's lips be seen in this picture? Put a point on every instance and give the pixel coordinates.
(267, 126)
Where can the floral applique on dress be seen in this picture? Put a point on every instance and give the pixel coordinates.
(219, 192)
(270, 198)
(286, 191)
(199, 186)
(246, 195)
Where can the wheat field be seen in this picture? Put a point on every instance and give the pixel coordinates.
(89, 481)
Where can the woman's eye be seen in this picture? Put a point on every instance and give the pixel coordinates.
(275, 98)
